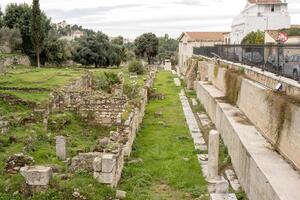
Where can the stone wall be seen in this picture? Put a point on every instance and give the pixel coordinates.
(262, 172)
(275, 116)
(8, 61)
(108, 159)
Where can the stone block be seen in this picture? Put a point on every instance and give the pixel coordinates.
(61, 147)
(36, 175)
(97, 164)
(108, 163)
(121, 194)
(106, 178)
(223, 197)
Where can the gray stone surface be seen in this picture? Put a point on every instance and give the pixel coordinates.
(108, 163)
(231, 177)
(61, 152)
(97, 164)
(120, 194)
(177, 82)
(262, 172)
(36, 175)
(213, 155)
(223, 197)
(106, 178)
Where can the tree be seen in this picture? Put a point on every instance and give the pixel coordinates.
(92, 50)
(10, 38)
(56, 51)
(146, 45)
(167, 47)
(18, 16)
(37, 30)
(254, 38)
(1, 18)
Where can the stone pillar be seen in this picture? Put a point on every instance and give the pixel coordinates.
(61, 147)
(213, 156)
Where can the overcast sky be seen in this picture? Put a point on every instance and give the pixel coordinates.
(134, 17)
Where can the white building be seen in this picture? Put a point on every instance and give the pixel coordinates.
(189, 40)
(260, 15)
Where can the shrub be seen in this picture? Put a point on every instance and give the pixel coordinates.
(106, 81)
(136, 66)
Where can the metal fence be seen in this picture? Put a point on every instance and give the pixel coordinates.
(284, 60)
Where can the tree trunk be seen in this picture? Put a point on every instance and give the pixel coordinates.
(38, 58)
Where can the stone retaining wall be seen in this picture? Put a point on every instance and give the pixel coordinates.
(8, 61)
(262, 172)
(273, 115)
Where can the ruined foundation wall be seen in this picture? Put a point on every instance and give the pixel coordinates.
(6, 62)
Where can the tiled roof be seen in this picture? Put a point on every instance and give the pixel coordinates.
(265, 1)
(205, 36)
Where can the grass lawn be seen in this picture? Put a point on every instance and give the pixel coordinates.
(170, 169)
(39, 81)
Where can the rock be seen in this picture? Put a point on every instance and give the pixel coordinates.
(12, 139)
(15, 162)
(194, 102)
(61, 152)
(84, 161)
(158, 114)
(97, 164)
(108, 163)
(37, 175)
(121, 194)
(162, 123)
(136, 161)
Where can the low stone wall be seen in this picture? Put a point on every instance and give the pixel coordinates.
(274, 115)
(108, 159)
(8, 61)
(263, 174)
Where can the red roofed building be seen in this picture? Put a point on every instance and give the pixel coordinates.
(189, 40)
(260, 15)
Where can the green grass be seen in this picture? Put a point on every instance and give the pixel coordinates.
(170, 169)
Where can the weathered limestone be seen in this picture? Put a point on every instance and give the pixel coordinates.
(213, 155)
(4, 126)
(17, 161)
(84, 161)
(231, 177)
(177, 82)
(61, 147)
(120, 194)
(36, 175)
(262, 172)
(223, 197)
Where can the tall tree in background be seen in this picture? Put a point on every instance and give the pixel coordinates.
(146, 45)
(37, 30)
(1, 17)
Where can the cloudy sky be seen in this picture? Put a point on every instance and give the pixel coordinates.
(134, 17)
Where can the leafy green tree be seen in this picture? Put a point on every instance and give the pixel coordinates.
(18, 16)
(146, 45)
(118, 41)
(254, 38)
(10, 38)
(57, 51)
(167, 48)
(37, 30)
(1, 18)
(92, 50)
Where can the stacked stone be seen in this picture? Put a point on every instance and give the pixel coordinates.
(4, 126)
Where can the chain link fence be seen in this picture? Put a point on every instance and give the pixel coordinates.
(283, 60)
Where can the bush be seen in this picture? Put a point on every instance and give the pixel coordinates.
(106, 81)
(136, 66)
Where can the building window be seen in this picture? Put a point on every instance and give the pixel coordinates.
(272, 8)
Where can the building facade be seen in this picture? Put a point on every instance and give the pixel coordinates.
(260, 15)
(189, 40)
